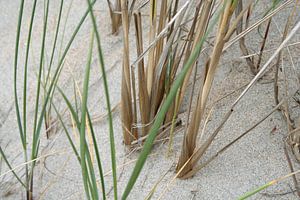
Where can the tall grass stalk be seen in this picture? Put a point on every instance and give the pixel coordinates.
(87, 172)
(108, 105)
(190, 138)
(36, 138)
(48, 118)
(200, 150)
(115, 15)
(25, 88)
(83, 145)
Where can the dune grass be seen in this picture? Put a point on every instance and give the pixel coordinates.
(150, 101)
(39, 113)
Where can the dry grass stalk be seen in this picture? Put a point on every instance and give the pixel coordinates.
(158, 93)
(293, 134)
(242, 42)
(115, 15)
(225, 30)
(204, 13)
(189, 143)
(126, 98)
(144, 103)
(253, 65)
(151, 57)
(201, 150)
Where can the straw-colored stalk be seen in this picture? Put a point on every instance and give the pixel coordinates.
(126, 98)
(253, 65)
(189, 142)
(151, 57)
(204, 14)
(144, 103)
(115, 15)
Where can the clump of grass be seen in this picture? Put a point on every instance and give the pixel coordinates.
(49, 86)
(154, 77)
(225, 30)
(164, 60)
(190, 154)
(164, 109)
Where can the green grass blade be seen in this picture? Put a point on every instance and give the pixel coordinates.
(64, 28)
(35, 135)
(75, 117)
(75, 96)
(15, 75)
(70, 107)
(62, 123)
(91, 174)
(26, 69)
(83, 147)
(9, 166)
(97, 156)
(253, 192)
(67, 132)
(25, 87)
(35, 139)
(256, 190)
(110, 121)
(55, 40)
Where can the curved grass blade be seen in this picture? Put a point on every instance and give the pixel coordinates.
(67, 132)
(91, 174)
(70, 107)
(15, 75)
(35, 139)
(110, 121)
(25, 88)
(75, 117)
(47, 114)
(83, 146)
(25, 76)
(12, 170)
(97, 156)
(55, 40)
(64, 28)
(78, 124)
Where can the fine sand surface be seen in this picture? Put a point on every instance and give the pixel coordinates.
(251, 162)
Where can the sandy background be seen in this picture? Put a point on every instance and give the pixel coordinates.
(254, 160)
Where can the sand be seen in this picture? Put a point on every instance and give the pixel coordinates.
(251, 162)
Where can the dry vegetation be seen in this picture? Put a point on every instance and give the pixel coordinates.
(175, 35)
